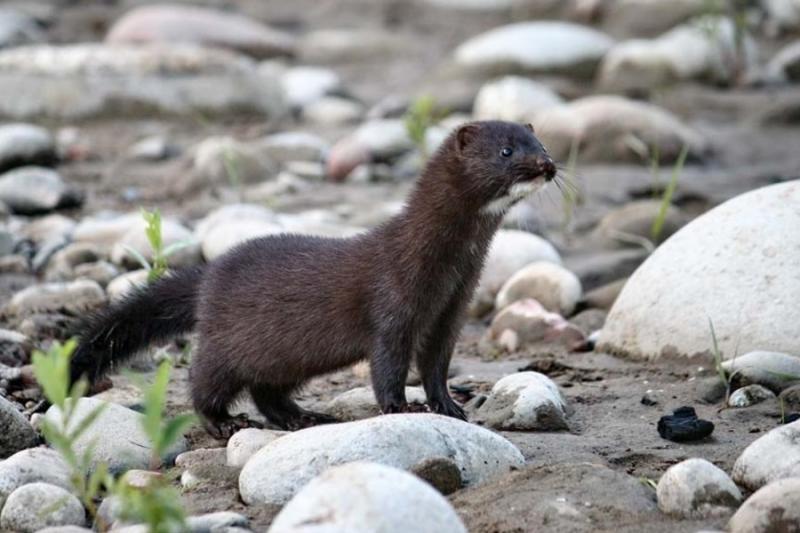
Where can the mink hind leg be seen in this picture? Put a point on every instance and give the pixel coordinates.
(389, 367)
(278, 407)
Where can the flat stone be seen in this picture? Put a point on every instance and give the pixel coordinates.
(25, 144)
(360, 403)
(750, 395)
(353, 497)
(303, 85)
(38, 505)
(17, 432)
(774, 370)
(246, 442)
(34, 190)
(279, 470)
(513, 98)
(74, 298)
(30, 466)
(666, 305)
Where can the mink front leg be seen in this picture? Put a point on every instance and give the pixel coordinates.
(389, 366)
(433, 361)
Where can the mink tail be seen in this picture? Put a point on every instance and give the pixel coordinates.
(158, 311)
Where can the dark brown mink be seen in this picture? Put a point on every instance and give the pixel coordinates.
(276, 311)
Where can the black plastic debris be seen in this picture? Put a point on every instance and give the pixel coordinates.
(684, 426)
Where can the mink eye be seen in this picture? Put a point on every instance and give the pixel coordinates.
(506, 152)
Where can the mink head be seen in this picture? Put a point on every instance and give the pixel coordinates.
(501, 162)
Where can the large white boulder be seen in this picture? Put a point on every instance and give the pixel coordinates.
(774, 456)
(571, 48)
(735, 265)
(513, 98)
(353, 498)
(282, 467)
(773, 508)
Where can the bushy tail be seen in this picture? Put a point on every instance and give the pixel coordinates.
(156, 312)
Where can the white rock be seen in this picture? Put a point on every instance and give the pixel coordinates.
(74, 297)
(527, 322)
(226, 235)
(635, 219)
(38, 505)
(571, 48)
(246, 442)
(294, 146)
(750, 395)
(116, 437)
(333, 111)
(474, 5)
(17, 432)
(224, 161)
(773, 456)
(49, 228)
(199, 25)
(612, 128)
(774, 370)
(354, 498)
(552, 285)
(279, 470)
(173, 233)
(32, 190)
(666, 305)
(773, 508)
(32, 465)
(92, 79)
(703, 49)
(350, 44)
(303, 85)
(122, 285)
(360, 403)
(784, 14)
(233, 213)
(154, 148)
(649, 17)
(785, 66)
(524, 401)
(25, 144)
(214, 522)
(510, 251)
(383, 137)
(18, 28)
(513, 98)
(695, 488)
(105, 229)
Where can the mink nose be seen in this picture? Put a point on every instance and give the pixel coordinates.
(546, 167)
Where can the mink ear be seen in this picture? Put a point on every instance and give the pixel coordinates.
(530, 127)
(465, 135)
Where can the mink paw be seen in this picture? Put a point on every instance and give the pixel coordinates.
(309, 419)
(448, 408)
(224, 429)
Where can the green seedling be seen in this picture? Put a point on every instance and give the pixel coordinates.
(421, 115)
(666, 198)
(158, 266)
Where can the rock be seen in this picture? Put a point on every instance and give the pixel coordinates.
(695, 488)
(441, 473)
(61, 265)
(513, 98)
(17, 28)
(277, 471)
(348, 45)
(523, 402)
(33, 190)
(32, 465)
(74, 298)
(572, 49)
(24, 144)
(333, 111)
(773, 508)
(106, 228)
(155, 148)
(294, 146)
(773, 370)
(769, 458)
(704, 49)
(38, 505)
(750, 395)
(116, 434)
(612, 128)
(509, 252)
(474, 5)
(344, 157)
(360, 403)
(596, 269)
(636, 219)
(224, 161)
(230, 225)
(737, 244)
(353, 498)
(17, 432)
(304, 85)
(48, 228)
(65, 529)
(603, 297)
(646, 17)
(202, 26)
(383, 138)
(122, 285)
(246, 442)
(527, 322)
(553, 286)
(783, 14)
(102, 272)
(219, 521)
(683, 425)
(95, 79)
(791, 397)
(173, 233)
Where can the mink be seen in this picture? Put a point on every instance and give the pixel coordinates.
(276, 311)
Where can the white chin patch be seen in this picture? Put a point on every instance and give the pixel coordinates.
(517, 192)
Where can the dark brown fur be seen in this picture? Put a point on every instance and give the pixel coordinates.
(276, 311)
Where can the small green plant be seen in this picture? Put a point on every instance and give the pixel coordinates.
(648, 482)
(421, 115)
(666, 198)
(571, 196)
(158, 266)
(156, 505)
(232, 164)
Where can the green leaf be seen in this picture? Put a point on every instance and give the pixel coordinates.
(173, 430)
(669, 192)
(154, 401)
